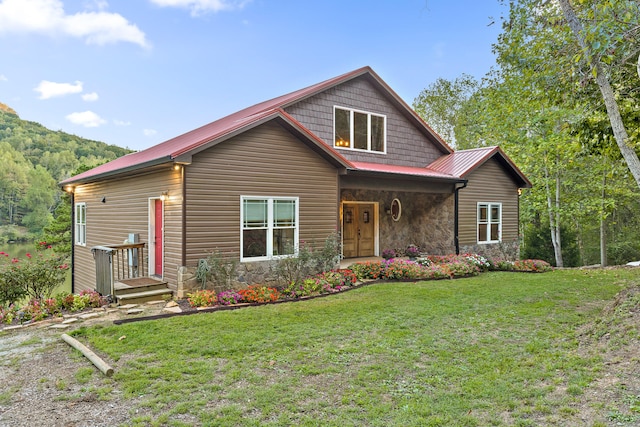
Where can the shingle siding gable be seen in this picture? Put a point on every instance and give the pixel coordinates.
(406, 145)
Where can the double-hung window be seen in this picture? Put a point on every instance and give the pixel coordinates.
(489, 222)
(269, 227)
(359, 130)
(80, 224)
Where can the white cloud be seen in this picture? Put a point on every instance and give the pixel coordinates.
(49, 89)
(121, 123)
(149, 132)
(88, 119)
(48, 17)
(199, 7)
(90, 97)
(3, 78)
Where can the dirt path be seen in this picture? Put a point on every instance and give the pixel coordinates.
(45, 382)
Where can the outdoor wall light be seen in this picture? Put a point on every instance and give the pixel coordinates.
(164, 196)
(104, 199)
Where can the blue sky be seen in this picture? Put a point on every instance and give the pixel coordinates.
(137, 72)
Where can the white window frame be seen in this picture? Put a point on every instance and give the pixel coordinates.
(80, 227)
(270, 227)
(488, 222)
(352, 132)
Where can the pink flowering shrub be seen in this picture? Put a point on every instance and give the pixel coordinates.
(229, 297)
(532, 265)
(36, 276)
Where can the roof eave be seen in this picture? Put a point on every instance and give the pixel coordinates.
(118, 172)
(394, 175)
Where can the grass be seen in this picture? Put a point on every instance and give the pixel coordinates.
(498, 349)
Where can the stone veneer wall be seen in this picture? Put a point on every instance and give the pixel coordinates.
(426, 221)
(509, 251)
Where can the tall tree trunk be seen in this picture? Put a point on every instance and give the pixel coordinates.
(553, 207)
(619, 131)
(603, 229)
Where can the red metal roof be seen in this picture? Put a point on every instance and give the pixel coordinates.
(401, 170)
(169, 150)
(462, 163)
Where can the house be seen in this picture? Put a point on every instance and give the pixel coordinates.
(346, 155)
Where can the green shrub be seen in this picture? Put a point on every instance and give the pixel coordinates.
(309, 261)
(11, 290)
(37, 275)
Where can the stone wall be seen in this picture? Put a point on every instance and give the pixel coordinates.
(427, 219)
(509, 251)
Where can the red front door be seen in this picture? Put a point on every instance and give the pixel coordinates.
(158, 238)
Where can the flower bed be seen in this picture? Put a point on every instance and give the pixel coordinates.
(39, 309)
(426, 268)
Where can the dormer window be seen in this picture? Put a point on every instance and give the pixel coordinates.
(359, 130)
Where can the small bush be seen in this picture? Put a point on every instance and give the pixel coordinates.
(229, 297)
(532, 265)
(368, 270)
(389, 253)
(202, 298)
(11, 290)
(7, 314)
(259, 293)
(412, 251)
(308, 286)
(36, 276)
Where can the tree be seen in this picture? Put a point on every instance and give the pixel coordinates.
(440, 103)
(38, 200)
(594, 42)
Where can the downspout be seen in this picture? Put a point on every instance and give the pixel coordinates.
(184, 216)
(455, 216)
(73, 241)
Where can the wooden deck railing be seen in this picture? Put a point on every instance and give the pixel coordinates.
(117, 262)
(128, 260)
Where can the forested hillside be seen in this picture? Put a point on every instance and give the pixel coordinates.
(33, 159)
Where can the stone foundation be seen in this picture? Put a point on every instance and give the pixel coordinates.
(508, 251)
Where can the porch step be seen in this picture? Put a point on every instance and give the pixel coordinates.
(140, 289)
(143, 296)
(125, 290)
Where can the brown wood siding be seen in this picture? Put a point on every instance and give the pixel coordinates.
(405, 144)
(489, 183)
(127, 211)
(265, 161)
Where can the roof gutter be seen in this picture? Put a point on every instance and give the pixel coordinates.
(456, 207)
(71, 181)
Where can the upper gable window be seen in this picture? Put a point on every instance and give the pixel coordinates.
(359, 130)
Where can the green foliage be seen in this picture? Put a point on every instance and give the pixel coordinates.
(219, 269)
(37, 275)
(32, 159)
(309, 261)
(537, 244)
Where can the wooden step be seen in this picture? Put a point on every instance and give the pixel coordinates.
(141, 284)
(144, 296)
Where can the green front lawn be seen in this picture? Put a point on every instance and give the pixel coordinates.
(496, 349)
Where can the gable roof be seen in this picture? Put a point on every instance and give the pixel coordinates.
(462, 163)
(180, 148)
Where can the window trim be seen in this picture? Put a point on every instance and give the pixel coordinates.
(489, 221)
(351, 147)
(270, 227)
(80, 238)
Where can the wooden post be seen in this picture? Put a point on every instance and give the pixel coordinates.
(94, 358)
